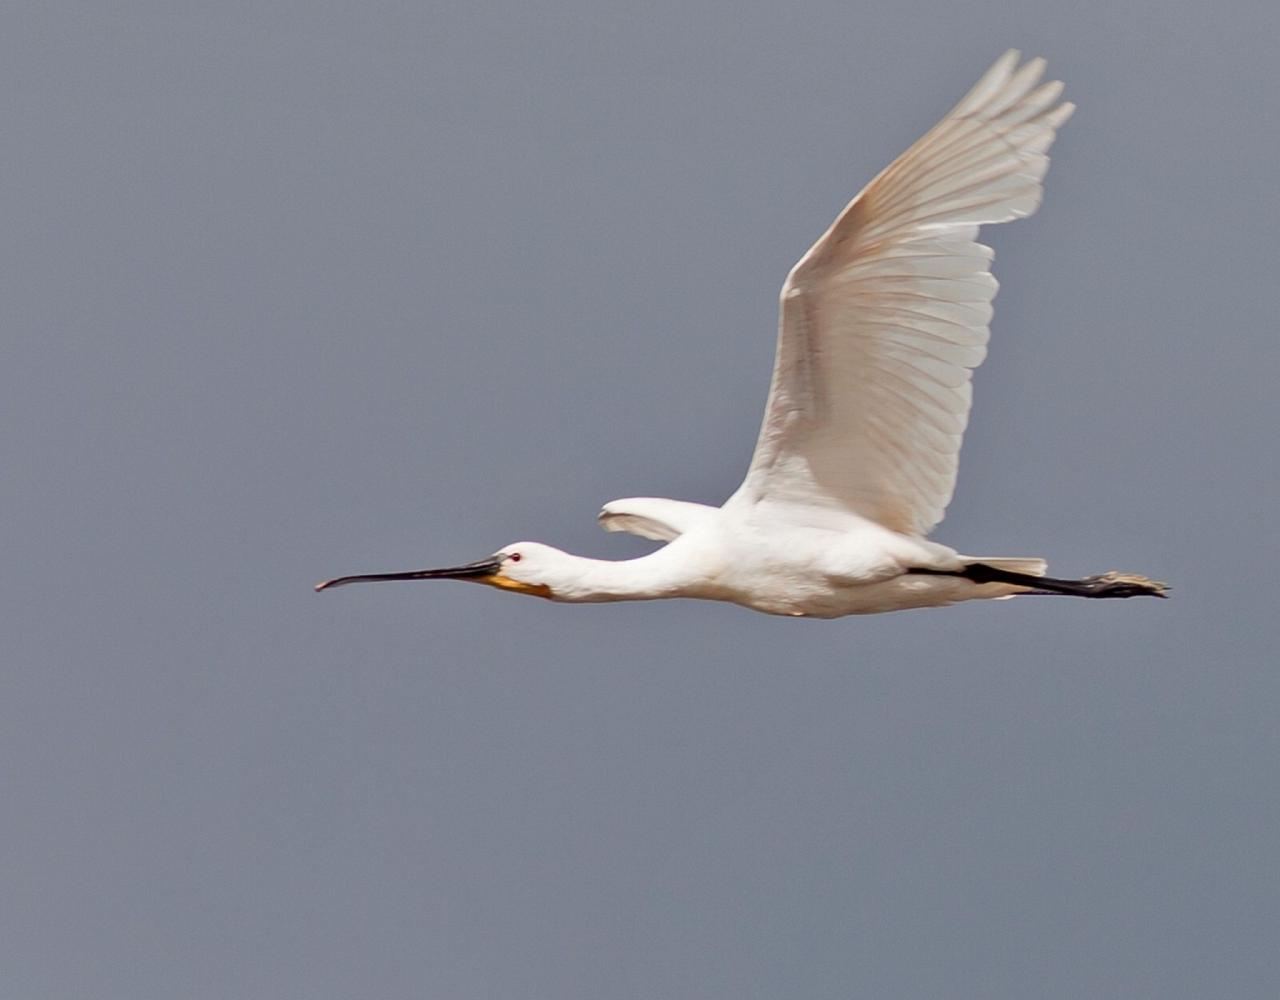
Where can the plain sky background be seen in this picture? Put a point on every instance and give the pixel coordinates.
(291, 290)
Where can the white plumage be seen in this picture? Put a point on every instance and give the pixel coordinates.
(885, 317)
(881, 324)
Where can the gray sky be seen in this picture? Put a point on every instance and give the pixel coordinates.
(299, 289)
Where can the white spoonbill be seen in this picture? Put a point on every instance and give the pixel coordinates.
(881, 323)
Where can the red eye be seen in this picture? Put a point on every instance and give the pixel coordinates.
(515, 557)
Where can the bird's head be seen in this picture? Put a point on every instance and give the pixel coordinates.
(523, 567)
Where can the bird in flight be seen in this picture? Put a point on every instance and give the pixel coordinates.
(881, 324)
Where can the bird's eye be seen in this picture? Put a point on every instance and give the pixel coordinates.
(514, 557)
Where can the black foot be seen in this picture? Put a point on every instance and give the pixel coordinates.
(1115, 584)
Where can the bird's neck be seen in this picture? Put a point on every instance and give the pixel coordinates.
(660, 574)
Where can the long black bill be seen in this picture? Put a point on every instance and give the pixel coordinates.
(471, 571)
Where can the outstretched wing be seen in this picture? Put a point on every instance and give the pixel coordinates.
(884, 318)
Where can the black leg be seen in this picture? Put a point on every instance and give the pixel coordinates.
(1104, 585)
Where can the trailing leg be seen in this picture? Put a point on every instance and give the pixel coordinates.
(1111, 584)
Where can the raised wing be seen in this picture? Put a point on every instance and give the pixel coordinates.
(884, 318)
(653, 517)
